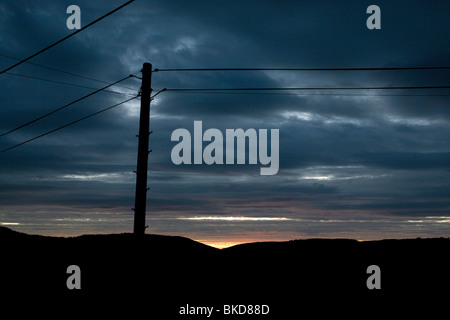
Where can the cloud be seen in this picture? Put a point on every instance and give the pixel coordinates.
(350, 162)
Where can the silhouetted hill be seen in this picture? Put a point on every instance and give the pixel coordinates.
(160, 274)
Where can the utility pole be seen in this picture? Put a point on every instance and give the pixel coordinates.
(143, 152)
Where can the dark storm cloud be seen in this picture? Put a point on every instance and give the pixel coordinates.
(344, 154)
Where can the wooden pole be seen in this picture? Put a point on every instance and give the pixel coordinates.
(142, 159)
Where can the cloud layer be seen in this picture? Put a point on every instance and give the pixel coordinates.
(364, 164)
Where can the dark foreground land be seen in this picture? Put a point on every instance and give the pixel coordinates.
(154, 277)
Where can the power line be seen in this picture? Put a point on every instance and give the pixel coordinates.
(314, 94)
(160, 91)
(62, 82)
(61, 108)
(68, 124)
(60, 71)
(65, 38)
(303, 69)
(306, 88)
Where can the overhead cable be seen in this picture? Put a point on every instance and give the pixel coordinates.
(61, 108)
(66, 125)
(65, 38)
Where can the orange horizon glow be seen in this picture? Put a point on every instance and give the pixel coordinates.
(221, 244)
(231, 238)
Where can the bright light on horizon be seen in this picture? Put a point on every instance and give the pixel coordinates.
(221, 244)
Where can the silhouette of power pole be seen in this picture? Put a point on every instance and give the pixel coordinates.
(143, 152)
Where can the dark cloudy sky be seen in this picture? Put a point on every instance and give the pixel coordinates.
(361, 164)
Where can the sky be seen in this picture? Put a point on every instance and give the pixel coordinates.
(361, 164)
